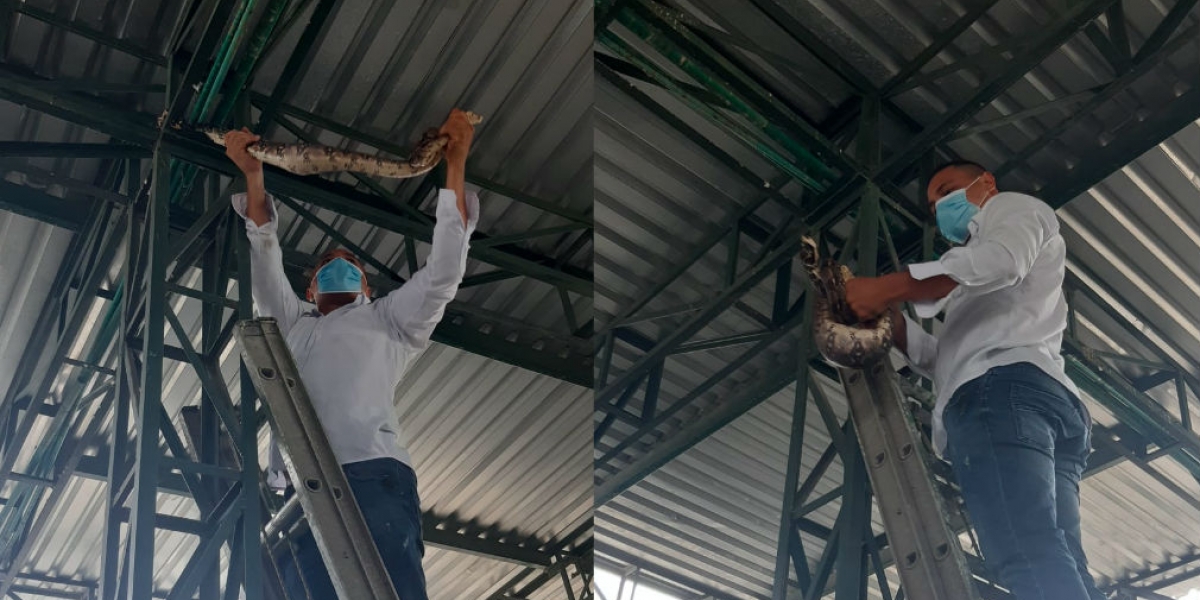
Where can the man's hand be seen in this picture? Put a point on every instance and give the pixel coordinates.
(870, 297)
(236, 143)
(461, 132)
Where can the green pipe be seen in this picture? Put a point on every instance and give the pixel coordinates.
(258, 44)
(616, 44)
(260, 40)
(644, 30)
(181, 179)
(224, 59)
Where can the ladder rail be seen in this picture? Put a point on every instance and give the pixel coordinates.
(351, 557)
(928, 556)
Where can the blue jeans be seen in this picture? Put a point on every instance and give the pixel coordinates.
(1019, 440)
(386, 492)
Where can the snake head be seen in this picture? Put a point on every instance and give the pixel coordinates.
(809, 252)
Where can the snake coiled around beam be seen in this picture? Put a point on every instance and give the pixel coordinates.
(839, 337)
(310, 159)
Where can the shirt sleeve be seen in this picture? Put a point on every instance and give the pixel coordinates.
(414, 309)
(1002, 251)
(922, 348)
(273, 294)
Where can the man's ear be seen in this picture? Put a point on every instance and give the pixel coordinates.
(990, 180)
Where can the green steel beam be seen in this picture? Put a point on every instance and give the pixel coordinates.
(298, 61)
(693, 325)
(1132, 143)
(72, 150)
(943, 39)
(832, 59)
(190, 83)
(1132, 407)
(96, 86)
(1166, 28)
(436, 531)
(86, 32)
(735, 405)
(985, 60)
(1062, 103)
(789, 547)
(1051, 36)
(1142, 65)
(145, 490)
(42, 516)
(67, 213)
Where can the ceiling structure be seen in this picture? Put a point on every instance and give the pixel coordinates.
(110, 225)
(725, 128)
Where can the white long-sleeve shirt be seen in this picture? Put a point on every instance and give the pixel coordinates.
(1009, 305)
(352, 358)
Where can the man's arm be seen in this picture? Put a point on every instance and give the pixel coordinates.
(413, 311)
(461, 133)
(273, 294)
(1003, 256)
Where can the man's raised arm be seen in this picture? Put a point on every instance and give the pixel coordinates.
(273, 294)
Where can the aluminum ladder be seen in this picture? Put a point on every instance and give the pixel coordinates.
(341, 533)
(927, 553)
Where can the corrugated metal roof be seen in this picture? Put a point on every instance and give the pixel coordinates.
(710, 517)
(494, 445)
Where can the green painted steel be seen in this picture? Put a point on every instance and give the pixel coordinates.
(1135, 141)
(789, 548)
(739, 131)
(1141, 67)
(145, 472)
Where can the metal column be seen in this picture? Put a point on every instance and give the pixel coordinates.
(145, 470)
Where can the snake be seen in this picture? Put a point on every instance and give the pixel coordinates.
(837, 333)
(310, 159)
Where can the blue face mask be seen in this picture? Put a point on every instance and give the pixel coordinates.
(954, 213)
(339, 275)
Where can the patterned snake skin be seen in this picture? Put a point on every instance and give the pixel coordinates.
(836, 331)
(309, 159)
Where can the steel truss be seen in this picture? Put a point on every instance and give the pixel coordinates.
(154, 232)
(635, 37)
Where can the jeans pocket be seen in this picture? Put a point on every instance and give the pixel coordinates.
(1034, 416)
(1033, 427)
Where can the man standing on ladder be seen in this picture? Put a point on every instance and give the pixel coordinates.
(1007, 416)
(352, 351)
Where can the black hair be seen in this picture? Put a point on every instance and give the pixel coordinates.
(969, 166)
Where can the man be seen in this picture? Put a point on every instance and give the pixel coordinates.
(1007, 416)
(351, 353)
